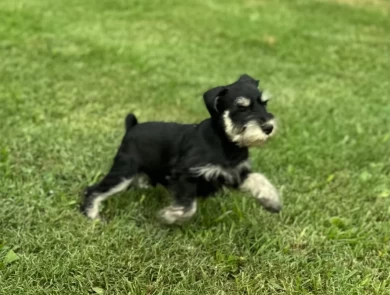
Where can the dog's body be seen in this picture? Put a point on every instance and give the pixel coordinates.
(194, 160)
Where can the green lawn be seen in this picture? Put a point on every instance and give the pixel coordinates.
(71, 70)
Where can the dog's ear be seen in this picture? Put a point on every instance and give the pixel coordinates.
(249, 79)
(211, 97)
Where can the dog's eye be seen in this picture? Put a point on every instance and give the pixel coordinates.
(242, 108)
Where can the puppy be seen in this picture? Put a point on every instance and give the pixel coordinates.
(195, 160)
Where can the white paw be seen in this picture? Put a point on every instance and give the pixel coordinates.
(92, 210)
(142, 182)
(271, 205)
(176, 214)
(263, 190)
(269, 198)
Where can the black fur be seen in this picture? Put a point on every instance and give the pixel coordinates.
(167, 153)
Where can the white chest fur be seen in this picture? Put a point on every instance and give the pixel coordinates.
(212, 172)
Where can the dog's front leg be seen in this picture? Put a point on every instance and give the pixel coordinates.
(184, 204)
(263, 191)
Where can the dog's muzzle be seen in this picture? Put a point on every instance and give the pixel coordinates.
(251, 134)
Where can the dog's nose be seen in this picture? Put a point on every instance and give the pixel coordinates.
(267, 128)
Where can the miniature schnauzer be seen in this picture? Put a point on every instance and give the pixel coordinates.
(194, 160)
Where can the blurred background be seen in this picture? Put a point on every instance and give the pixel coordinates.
(71, 70)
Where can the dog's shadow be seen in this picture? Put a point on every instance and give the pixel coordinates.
(142, 205)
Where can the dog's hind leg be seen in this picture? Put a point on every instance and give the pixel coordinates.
(184, 205)
(118, 179)
(263, 191)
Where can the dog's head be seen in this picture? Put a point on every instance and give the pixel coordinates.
(241, 109)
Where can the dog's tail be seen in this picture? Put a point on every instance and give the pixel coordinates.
(130, 121)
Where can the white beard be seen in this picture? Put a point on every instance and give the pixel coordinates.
(252, 135)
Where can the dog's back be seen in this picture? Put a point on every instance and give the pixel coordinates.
(156, 145)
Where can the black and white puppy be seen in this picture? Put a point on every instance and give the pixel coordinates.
(194, 160)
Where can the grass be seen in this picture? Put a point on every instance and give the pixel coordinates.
(70, 72)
